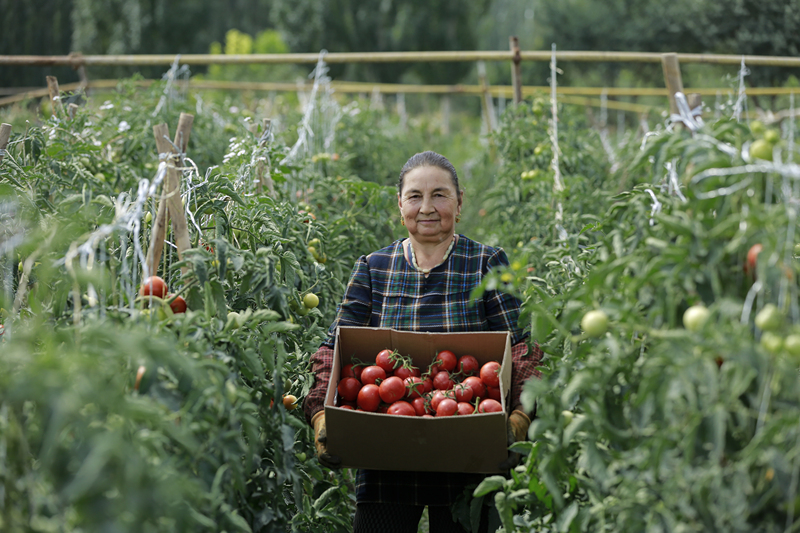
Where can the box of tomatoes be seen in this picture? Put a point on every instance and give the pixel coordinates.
(400, 400)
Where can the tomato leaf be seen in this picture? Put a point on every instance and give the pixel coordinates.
(489, 484)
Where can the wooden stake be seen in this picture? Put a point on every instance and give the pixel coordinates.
(55, 95)
(516, 71)
(694, 100)
(170, 203)
(5, 134)
(486, 100)
(262, 171)
(672, 77)
(71, 110)
(446, 114)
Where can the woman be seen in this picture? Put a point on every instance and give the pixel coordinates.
(422, 283)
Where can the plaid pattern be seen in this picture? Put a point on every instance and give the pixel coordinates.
(385, 291)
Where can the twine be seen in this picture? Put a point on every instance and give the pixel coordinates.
(656, 206)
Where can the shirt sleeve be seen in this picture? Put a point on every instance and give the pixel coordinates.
(524, 363)
(321, 365)
(356, 306)
(502, 309)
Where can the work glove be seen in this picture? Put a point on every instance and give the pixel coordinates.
(321, 442)
(517, 426)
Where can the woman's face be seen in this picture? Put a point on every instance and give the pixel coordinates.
(429, 204)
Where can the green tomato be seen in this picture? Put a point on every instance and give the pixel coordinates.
(761, 149)
(792, 344)
(148, 218)
(757, 127)
(310, 300)
(772, 342)
(695, 317)
(595, 323)
(769, 319)
(772, 136)
(568, 416)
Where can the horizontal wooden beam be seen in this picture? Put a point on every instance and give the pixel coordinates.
(78, 60)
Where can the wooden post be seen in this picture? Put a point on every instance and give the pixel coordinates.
(672, 77)
(71, 110)
(446, 114)
(516, 71)
(55, 95)
(486, 100)
(262, 172)
(5, 134)
(694, 100)
(170, 203)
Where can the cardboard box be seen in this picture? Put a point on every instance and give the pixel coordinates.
(476, 443)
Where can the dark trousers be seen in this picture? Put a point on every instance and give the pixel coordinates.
(404, 518)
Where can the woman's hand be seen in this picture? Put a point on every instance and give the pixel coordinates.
(517, 425)
(321, 442)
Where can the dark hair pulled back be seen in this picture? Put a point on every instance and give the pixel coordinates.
(428, 159)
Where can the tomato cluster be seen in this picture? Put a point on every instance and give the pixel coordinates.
(156, 286)
(450, 386)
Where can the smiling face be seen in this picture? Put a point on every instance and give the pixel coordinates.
(429, 204)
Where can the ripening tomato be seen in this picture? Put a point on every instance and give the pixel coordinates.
(154, 285)
(465, 408)
(490, 374)
(463, 392)
(490, 406)
(352, 371)
(477, 386)
(404, 372)
(752, 259)
(414, 387)
(494, 393)
(369, 398)
(442, 381)
(446, 360)
(385, 360)
(401, 408)
(348, 389)
(371, 374)
(178, 305)
(290, 402)
(447, 407)
(392, 389)
(467, 364)
(420, 406)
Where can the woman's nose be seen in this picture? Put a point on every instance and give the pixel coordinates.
(427, 205)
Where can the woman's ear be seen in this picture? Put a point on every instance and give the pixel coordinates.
(399, 201)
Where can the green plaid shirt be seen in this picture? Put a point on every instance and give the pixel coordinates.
(386, 291)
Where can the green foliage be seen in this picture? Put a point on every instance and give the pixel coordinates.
(652, 426)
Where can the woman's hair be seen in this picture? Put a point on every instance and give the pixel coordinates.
(428, 159)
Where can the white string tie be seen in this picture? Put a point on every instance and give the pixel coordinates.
(656, 206)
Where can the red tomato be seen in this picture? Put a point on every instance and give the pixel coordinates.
(437, 397)
(446, 360)
(414, 387)
(385, 360)
(468, 365)
(490, 374)
(477, 386)
(153, 285)
(427, 384)
(463, 392)
(348, 389)
(407, 372)
(447, 407)
(392, 389)
(420, 406)
(371, 374)
(178, 305)
(493, 393)
(490, 406)
(465, 408)
(383, 408)
(352, 371)
(752, 259)
(369, 398)
(426, 416)
(348, 407)
(442, 381)
(402, 408)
